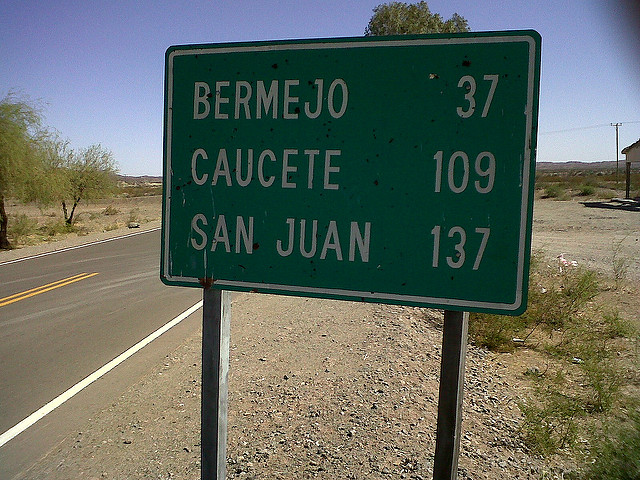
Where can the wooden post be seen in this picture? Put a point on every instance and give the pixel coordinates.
(216, 316)
(628, 181)
(454, 349)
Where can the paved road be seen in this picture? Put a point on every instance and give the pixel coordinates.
(49, 341)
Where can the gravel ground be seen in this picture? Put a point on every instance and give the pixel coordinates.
(339, 390)
(318, 389)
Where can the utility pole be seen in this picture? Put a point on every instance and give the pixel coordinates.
(617, 125)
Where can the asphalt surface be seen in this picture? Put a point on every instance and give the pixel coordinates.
(99, 301)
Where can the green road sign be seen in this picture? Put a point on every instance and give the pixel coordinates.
(383, 169)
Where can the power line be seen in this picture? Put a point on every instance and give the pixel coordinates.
(600, 125)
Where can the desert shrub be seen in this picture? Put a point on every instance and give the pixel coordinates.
(581, 343)
(620, 264)
(56, 227)
(617, 326)
(134, 215)
(553, 191)
(616, 455)
(550, 420)
(587, 190)
(110, 210)
(579, 287)
(494, 332)
(21, 227)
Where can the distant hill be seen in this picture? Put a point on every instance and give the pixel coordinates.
(564, 166)
(540, 166)
(142, 180)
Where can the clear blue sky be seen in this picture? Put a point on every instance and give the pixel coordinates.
(99, 65)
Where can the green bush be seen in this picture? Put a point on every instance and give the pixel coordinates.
(587, 190)
(550, 421)
(584, 377)
(616, 455)
(110, 210)
(495, 332)
(21, 227)
(56, 227)
(134, 215)
(553, 191)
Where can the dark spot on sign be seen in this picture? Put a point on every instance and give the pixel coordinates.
(189, 182)
(452, 278)
(256, 246)
(209, 95)
(466, 63)
(375, 182)
(206, 282)
(404, 284)
(274, 66)
(242, 267)
(177, 187)
(297, 110)
(390, 140)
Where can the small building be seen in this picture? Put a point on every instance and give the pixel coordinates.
(632, 155)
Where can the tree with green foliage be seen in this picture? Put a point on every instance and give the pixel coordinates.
(399, 18)
(21, 137)
(87, 174)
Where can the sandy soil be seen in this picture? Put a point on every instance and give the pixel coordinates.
(340, 390)
(591, 236)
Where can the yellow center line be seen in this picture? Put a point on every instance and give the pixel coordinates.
(44, 288)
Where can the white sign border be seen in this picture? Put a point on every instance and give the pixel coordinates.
(350, 43)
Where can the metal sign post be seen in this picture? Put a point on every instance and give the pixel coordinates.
(216, 316)
(454, 349)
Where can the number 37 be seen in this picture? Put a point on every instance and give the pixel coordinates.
(469, 83)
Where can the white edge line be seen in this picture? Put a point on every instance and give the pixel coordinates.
(79, 246)
(60, 399)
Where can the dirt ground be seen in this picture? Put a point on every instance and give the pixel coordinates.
(341, 390)
(590, 236)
